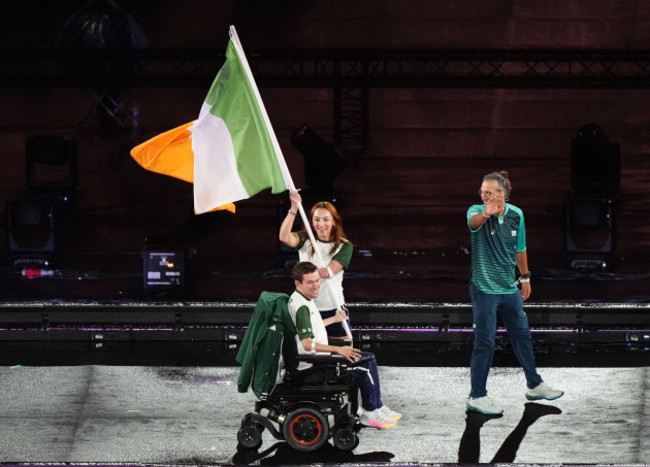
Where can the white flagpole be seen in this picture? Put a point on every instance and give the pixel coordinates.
(274, 140)
(282, 163)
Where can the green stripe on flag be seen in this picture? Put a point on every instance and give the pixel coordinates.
(232, 99)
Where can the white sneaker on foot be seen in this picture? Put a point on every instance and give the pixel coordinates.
(484, 405)
(390, 413)
(543, 391)
(376, 419)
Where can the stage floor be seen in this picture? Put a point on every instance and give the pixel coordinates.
(190, 415)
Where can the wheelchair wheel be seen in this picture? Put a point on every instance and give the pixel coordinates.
(305, 429)
(246, 421)
(249, 437)
(345, 439)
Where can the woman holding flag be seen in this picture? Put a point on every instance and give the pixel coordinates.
(334, 248)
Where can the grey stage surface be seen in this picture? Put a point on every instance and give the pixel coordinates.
(171, 415)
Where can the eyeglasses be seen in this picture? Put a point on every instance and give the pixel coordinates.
(489, 194)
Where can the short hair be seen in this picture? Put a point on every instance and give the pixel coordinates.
(302, 268)
(502, 179)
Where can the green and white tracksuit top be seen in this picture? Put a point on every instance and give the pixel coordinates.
(331, 296)
(495, 245)
(308, 323)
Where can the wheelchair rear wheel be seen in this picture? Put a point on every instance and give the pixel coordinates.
(305, 429)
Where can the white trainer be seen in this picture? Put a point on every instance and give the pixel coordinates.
(543, 391)
(390, 413)
(484, 405)
(376, 419)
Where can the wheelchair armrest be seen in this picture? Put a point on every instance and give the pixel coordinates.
(366, 358)
(327, 368)
(339, 342)
(321, 359)
(324, 360)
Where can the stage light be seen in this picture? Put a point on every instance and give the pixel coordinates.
(31, 231)
(102, 24)
(99, 36)
(590, 226)
(590, 214)
(51, 167)
(595, 164)
(323, 162)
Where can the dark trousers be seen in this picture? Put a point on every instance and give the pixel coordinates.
(511, 309)
(367, 378)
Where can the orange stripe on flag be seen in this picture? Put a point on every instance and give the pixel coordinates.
(170, 153)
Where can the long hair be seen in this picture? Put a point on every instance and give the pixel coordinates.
(337, 235)
(503, 181)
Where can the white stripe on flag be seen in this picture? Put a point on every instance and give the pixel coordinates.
(216, 179)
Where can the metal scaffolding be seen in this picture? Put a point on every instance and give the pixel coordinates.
(349, 73)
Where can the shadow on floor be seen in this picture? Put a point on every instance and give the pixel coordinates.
(469, 450)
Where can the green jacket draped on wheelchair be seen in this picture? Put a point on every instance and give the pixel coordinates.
(261, 348)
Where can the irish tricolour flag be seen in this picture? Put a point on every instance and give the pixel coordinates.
(230, 152)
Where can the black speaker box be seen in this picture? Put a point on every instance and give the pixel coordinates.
(31, 229)
(589, 226)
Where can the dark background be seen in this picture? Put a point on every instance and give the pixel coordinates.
(403, 198)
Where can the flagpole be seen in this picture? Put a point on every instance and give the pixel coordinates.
(286, 175)
(274, 140)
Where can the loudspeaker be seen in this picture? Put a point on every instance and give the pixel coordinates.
(31, 229)
(323, 162)
(595, 164)
(589, 226)
(51, 167)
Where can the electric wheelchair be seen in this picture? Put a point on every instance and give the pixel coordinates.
(303, 407)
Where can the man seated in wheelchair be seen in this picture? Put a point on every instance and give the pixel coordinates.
(312, 339)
